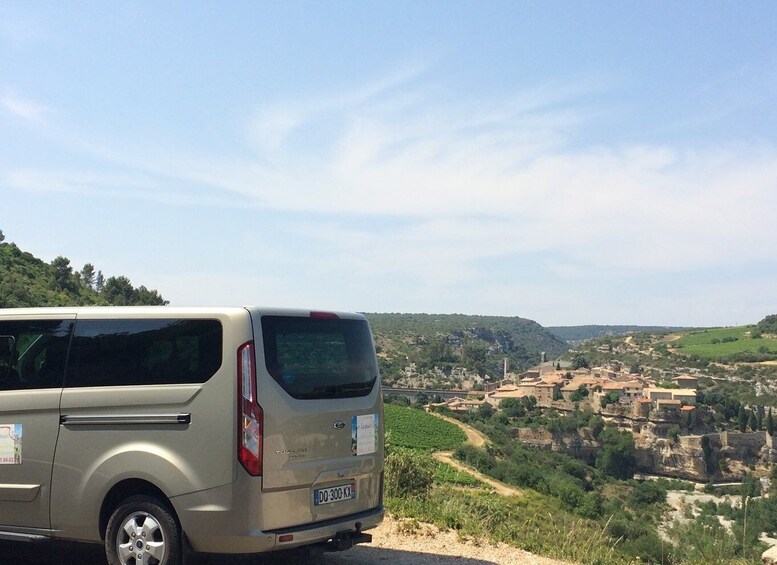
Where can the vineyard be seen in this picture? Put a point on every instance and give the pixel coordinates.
(408, 427)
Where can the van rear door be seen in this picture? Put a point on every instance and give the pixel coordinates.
(318, 386)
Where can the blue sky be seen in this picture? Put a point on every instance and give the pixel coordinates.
(572, 163)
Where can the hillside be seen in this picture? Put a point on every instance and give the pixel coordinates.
(740, 362)
(26, 281)
(576, 334)
(455, 346)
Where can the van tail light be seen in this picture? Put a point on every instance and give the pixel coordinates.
(250, 418)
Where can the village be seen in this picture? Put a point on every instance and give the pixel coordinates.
(610, 390)
(674, 436)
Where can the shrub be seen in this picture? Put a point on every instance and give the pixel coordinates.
(408, 474)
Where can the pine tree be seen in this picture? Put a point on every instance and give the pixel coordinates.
(770, 422)
(87, 275)
(752, 421)
(99, 281)
(742, 419)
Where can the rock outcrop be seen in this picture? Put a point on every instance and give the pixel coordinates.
(720, 456)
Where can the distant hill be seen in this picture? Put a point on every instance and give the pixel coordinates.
(576, 334)
(478, 343)
(26, 281)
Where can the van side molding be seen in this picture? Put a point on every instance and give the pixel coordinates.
(125, 419)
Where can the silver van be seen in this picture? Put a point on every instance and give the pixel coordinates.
(158, 430)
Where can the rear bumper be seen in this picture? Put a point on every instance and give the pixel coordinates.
(324, 531)
(212, 528)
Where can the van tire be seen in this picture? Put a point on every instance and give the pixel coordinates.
(149, 519)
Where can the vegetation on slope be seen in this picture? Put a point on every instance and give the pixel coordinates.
(418, 430)
(576, 334)
(734, 344)
(568, 510)
(26, 281)
(477, 343)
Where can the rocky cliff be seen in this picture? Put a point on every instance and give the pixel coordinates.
(721, 456)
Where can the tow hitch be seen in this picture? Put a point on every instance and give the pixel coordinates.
(346, 540)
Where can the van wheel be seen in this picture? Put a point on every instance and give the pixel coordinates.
(143, 531)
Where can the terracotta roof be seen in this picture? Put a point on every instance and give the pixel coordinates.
(510, 394)
(688, 408)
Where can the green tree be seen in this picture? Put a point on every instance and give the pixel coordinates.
(579, 394)
(596, 424)
(617, 457)
(579, 362)
(768, 325)
(709, 456)
(752, 421)
(87, 275)
(99, 282)
(512, 408)
(609, 398)
(485, 410)
(63, 273)
(147, 297)
(2, 236)
(118, 291)
(421, 399)
(742, 419)
(770, 422)
(751, 486)
(474, 356)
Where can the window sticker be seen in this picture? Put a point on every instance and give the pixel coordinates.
(10, 444)
(363, 431)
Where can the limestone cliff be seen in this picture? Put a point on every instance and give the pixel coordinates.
(728, 454)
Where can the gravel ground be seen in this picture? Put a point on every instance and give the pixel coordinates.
(425, 545)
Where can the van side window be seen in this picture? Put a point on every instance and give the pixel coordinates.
(144, 352)
(33, 353)
(319, 358)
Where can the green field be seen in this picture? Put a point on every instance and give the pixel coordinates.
(723, 342)
(409, 427)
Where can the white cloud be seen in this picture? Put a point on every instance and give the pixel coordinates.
(23, 107)
(460, 182)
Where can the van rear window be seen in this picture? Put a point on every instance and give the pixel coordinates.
(313, 358)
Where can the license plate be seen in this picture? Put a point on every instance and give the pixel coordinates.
(334, 494)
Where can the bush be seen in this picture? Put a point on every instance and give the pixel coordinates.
(408, 474)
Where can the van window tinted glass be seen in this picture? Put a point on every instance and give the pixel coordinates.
(319, 358)
(33, 353)
(144, 352)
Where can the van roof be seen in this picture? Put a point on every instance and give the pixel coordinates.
(134, 311)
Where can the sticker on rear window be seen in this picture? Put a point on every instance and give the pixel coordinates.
(10, 444)
(363, 431)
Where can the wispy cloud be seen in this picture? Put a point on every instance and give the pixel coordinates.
(24, 108)
(470, 181)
